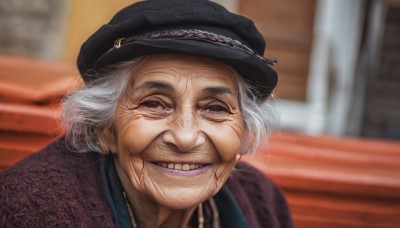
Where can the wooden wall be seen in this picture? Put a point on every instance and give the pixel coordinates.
(288, 28)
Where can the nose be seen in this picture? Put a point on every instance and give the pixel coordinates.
(184, 133)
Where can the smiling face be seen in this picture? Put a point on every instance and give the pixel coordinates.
(178, 129)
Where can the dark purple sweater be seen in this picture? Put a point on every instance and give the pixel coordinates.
(59, 188)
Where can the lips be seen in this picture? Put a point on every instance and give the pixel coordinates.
(179, 166)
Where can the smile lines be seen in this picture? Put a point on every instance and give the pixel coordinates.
(183, 167)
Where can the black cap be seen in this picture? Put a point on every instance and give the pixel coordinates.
(194, 27)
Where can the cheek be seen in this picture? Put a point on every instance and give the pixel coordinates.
(136, 133)
(226, 137)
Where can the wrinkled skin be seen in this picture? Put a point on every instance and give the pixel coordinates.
(181, 110)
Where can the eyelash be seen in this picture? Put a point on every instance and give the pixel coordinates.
(152, 103)
(155, 105)
(220, 108)
(159, 106)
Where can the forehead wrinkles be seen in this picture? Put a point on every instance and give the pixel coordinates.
(186, 73)
(189, 82)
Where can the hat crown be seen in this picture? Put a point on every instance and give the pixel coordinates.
(163, 14)
(177, 7)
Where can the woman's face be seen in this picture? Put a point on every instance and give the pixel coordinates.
(178, 129)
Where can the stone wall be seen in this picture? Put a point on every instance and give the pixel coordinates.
(32, 28)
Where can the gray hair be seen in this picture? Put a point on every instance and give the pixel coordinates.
(92, 107)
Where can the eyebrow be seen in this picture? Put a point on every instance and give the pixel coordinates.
(218, 90)
(154, 85)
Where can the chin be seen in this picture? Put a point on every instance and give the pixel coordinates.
(177, 189)
(185, 198)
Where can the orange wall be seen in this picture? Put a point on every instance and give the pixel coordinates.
(84, 18)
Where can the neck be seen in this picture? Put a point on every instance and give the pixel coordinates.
(149, 213)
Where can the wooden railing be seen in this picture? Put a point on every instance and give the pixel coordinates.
(329, 182)
(30, 93)
(335, 182)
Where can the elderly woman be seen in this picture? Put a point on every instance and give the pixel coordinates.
(174, 96)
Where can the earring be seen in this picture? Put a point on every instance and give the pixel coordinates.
(238, 158)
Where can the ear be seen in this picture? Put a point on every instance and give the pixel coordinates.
(107, 140)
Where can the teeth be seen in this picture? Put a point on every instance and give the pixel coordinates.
(184, 167)
(178, 166)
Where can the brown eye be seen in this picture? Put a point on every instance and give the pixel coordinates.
(155, 107)
(215, 111)
(216, 108)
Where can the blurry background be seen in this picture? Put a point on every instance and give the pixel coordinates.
(337, 157)
(336, 58)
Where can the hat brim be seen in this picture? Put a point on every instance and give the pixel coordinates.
(252, 69)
